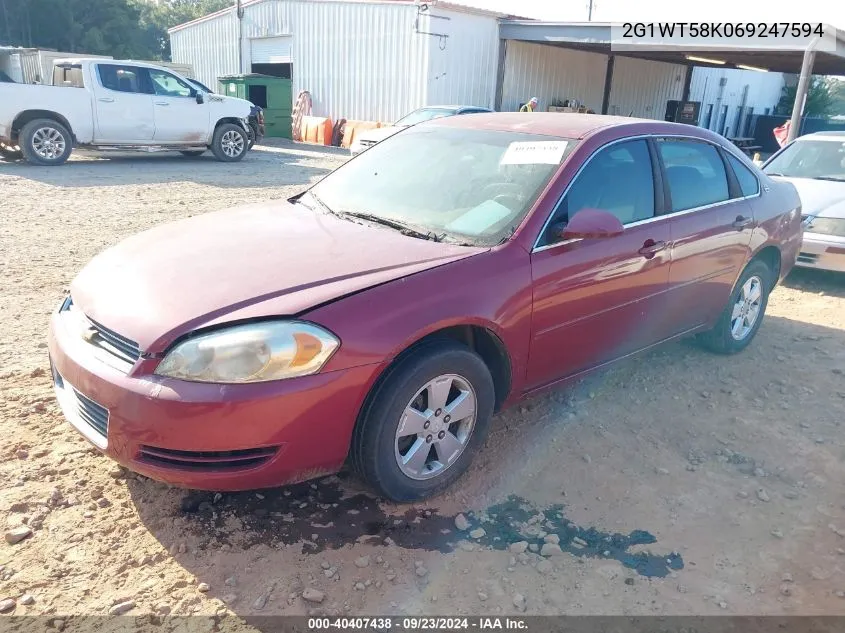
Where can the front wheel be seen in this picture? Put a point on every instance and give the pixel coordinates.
(230, 143)
(742, 317)
(45, 142)
(422, 426)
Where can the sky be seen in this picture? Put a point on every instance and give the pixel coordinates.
(828, 11)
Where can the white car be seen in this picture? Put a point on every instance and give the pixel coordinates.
(118, 105)
(371, 137)
(815, 164)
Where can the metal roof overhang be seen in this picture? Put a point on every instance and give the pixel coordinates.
(596, 37)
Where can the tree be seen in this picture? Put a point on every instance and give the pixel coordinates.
(837, 91)
(820, 98)
(120, 28)
(157, 17)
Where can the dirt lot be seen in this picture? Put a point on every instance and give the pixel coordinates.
(678, 483)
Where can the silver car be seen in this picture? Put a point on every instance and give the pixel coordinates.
(815, 164)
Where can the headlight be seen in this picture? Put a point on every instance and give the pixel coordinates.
(256, 352)
(825, 226)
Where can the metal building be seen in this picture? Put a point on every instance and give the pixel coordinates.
(359, 60)
(378, 60)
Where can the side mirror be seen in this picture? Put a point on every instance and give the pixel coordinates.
(591, 223)
(200, 97)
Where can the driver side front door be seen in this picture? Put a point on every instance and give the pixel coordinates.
(596, 300)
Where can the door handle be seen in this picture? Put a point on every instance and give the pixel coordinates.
(742, 222)
(651, 248)
(106, 99)
(162, 103)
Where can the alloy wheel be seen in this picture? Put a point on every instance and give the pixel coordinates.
(436, 426)
(746, 309)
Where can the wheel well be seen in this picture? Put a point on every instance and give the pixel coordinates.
(770, 255)
(234, 120)
(30, 115)
(479, 339)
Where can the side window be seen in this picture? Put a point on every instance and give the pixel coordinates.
(121, 78)
(748, 183)
(695, 173)
(617, 179)
(167, 85)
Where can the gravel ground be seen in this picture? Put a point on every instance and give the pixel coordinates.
(676, 483)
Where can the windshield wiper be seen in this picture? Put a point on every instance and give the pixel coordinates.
(833, 178)
(403, 228)
(774, 173)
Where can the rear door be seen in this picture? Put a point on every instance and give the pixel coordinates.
(712, 226)
(596, 300)
(178, 116)
(123, 105)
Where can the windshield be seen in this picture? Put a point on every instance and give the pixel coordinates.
(824, 160)
(197, 85)
(423, 114)
(467, 185)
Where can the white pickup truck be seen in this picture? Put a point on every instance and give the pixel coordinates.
(118, 105)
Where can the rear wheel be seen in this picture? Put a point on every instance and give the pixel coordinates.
(423, 425)
(742, 317)
(230, 143)
(45, 142)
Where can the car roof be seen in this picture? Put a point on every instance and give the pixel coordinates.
(829, 135)
(571, 126)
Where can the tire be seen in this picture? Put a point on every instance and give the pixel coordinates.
(377, 449)
(192, 152)
(45, 142)
(8, 153)
(729, 337)
(253, 134)
(229, 138)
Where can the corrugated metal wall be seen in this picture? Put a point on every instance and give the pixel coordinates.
(551, 73)
(462, 68)
(723, 89)
(641, 87)
(211, 47)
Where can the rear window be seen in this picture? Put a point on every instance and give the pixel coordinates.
(695, 173)
(748, 183)
(121, 78)
(68, 75)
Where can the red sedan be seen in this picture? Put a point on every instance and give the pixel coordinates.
(382, 316)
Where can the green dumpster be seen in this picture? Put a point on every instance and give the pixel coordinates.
(273, 94)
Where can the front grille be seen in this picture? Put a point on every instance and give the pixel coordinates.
(91, 413)
(106, 339)
(207, 461)
(808, 258)
(114, 343)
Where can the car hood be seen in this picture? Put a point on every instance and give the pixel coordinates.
(236, 103)
(380, 133)
(275, 259)
(824, 198)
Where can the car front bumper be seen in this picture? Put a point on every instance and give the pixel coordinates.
(825, 252)
(201, 435)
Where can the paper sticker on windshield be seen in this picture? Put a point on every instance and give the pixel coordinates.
(534, 153)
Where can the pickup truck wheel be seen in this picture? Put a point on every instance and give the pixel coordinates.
(230, 143)
(192, 152)
(45, 142)
(252, 134)
(422, 425)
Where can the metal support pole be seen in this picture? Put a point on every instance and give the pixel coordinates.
(687, 82)
(240, 16)
(801, 92)
(500, 75)
(608, 84)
